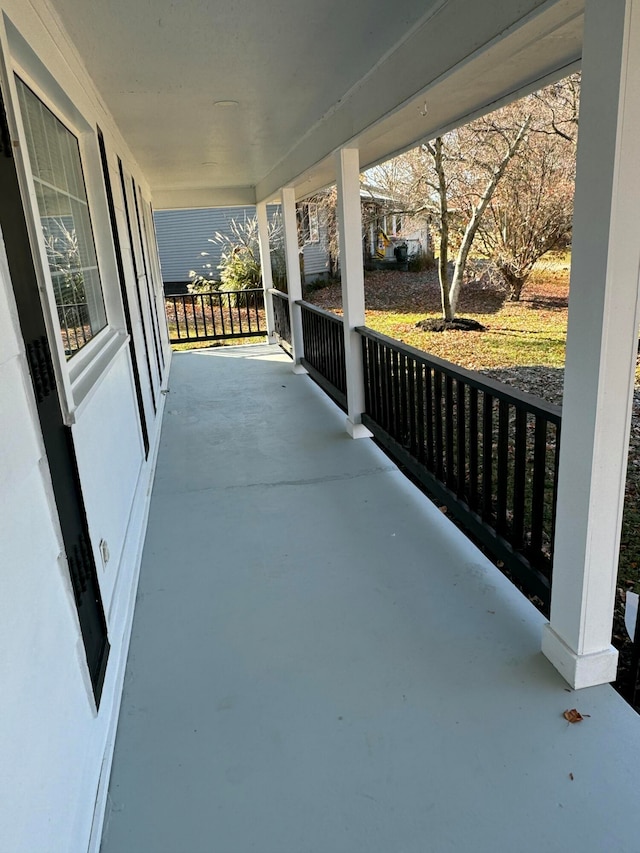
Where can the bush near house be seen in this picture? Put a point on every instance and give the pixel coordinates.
(240, 257)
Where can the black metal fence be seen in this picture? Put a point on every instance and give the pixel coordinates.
(489, 453)
(282, 320)
(215, 316)
(323, 337)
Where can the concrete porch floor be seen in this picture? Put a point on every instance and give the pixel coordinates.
(322, 663)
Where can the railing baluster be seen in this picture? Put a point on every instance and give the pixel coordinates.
(438, 423)
(473, 448)
(503, 466)
(213, 314)
(239, 313)
(413, 414)
(519, 478)
(421, 417)
(366, 369)
(487, 459)
(194, 319)
(247, 311)
(229, 309)
(204, 316)
(175, 312)
(554, 489)
(378, 406)
(538, 488)
(429, 392)
(402, 367)
(395, 388)
(201, 314)
(221, 310)
(385, 355)
(461, 430)
(449, 431)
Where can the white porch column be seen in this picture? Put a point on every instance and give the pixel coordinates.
(352, 274)
(265, 263)
(601, 347)
(294, 284)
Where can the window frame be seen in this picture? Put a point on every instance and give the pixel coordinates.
(79, 376)
(68, 184)
(308, 222)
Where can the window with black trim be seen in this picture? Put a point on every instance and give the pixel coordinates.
(54, 157)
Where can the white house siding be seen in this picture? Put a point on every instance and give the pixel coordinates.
(54, 746)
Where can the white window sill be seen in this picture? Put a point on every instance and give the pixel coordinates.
(88, 373)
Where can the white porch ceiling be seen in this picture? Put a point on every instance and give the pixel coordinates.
(307, 76)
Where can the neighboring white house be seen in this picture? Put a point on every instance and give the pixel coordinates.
(110, 107)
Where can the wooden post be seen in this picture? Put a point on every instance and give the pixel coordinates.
(294, 283)
(352, 275)
(265, 264)
(602, 345)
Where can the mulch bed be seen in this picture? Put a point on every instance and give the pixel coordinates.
(458, 324)
(412, 292)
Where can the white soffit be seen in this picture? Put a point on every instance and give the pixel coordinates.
(307, 77)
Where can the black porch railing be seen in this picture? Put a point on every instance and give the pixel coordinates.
(487, 452)
(215, 316)
(630, 689)
(282, 320)
(323, 337)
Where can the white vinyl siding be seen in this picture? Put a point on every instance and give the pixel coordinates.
(184, 240)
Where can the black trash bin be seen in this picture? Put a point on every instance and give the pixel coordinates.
(401, 254)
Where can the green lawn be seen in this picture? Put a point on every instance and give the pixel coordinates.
(529, 332)
(516, 335)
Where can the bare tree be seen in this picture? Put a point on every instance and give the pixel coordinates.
(506, 178)
(476, 203)
(532, 210)
(530, 214)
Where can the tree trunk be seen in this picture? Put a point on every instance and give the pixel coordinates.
(443, 260)
(514, 282)
(474, 222)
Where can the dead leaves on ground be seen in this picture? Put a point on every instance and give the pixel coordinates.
(574, 716)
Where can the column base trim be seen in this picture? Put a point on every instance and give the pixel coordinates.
(579, 670)
(299, 369)
(357, 430)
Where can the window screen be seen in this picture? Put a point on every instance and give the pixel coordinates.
(54, 157)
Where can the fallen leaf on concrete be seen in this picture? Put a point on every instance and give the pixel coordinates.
(573, 716)
(443, 509)
(571, 776)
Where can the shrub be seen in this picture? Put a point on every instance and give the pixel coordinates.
(422, 260)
